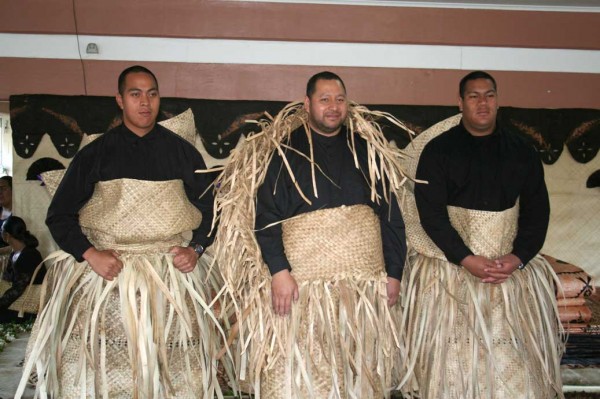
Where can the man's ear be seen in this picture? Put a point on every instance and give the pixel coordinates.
(460, 104)
(119, 99)
(306, 103)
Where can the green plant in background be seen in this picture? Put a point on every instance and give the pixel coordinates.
(9, 331)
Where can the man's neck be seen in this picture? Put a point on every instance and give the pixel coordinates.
(139, 132)
(479, 133)
(332, 134)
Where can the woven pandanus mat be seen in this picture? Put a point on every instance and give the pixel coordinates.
(28, 302)
(334, 243)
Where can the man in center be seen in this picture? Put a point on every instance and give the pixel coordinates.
(339, 182)
(319, 320)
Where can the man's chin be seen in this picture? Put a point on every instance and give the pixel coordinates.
(326, 129)
(333, 127)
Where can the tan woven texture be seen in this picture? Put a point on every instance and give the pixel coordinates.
(52, 179)
(153, 211)
(467, 339)
(147, 334)
(417, 239)
(574, 231)
(474, 340)
(28, 302)
(183, 125)
(347, 237)
(88, 138)
(337, 261)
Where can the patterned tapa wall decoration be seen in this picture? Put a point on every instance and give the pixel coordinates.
(48, 129)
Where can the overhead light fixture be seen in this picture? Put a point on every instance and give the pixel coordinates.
(92, 48)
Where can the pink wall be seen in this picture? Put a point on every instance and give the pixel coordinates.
(301, 22)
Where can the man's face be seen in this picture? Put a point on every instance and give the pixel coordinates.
(327, 107)
(479, 107)
(5, 194)
(140, 102)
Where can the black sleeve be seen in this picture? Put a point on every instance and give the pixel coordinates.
(24, 269)
(75, 189)
(534, 212)
(432, 202)
(393, 236)
(271, 200)
(199, 190)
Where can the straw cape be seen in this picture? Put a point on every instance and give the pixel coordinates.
(467, 339)
(149, 333)
(341, 339)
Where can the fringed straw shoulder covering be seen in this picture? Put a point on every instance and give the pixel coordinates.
(342, 316)
(468, 339)
(150, 332)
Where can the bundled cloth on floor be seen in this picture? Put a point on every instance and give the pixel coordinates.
(575, 286)
(574, 314)
(468, 339)
(341, 339)
(574, 281)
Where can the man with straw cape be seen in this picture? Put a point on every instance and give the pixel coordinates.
(127, 314)
(312, 247)
(480, 302)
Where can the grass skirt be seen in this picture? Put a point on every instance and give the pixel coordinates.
(340, 339)
(468, 339)
(149, 333)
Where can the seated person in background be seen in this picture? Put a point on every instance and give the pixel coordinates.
(5, 207)
(22, 263)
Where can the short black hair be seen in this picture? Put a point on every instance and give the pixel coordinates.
(134, 69)
(325, 75)
(7, 179)
(474, 76)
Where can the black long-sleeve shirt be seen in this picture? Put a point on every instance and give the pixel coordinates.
(486, 173)
(19, 274)
(160, 155)
(278, 199)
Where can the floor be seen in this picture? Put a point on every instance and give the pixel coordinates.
(11, 370)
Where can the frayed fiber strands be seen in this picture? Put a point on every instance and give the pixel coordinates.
(468, 339)
(150, 332)
(340, 339)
